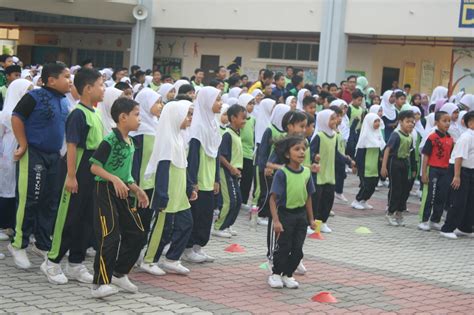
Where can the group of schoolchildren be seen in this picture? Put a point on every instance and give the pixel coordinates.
(138, 173)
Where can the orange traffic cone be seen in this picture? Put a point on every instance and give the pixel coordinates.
(235, 248)
(316, 236)
(324, 297)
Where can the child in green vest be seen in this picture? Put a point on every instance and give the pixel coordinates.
(323, 151)
(73, 227)
(291, 209)
(231, 164)
(355, 114)
(247, 135)
(173, 191)
(399, 156)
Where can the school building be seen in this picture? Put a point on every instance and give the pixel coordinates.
(411, 41)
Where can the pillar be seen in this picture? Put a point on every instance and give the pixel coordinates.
(142, 44)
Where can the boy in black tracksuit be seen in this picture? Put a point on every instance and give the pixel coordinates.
(38, 122)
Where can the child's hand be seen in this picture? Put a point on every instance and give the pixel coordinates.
(315, 168)
(18, 154)
(317, 158)
(313, 225)
(456, 182)
(217, 188)
(194, 196)
(235, 172)
(384, 172)
(268, 172)
(353, 164)
(121, 190)
(424, 179)
(71, 185)
(143, 201)
(277, 227)
(354, 170)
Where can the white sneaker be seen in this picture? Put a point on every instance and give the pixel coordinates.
(174, 267)
(451, 235)
(325, 228)
(417, 183)
(275, 281)
(245, 207)
(399, 218)
(191, 256)
(391, 220)
(220, 233)
(78, 272)
(290, 282)
(232, 231)
(2, 256)
(152, 269)
(309, 230)
(262, 221)
(4, 236)
(380, 183)
(301, 269)
(332, 213)
(20, 258)
(53, 272)
(125, 284)
(458, 232)
(357, 205)
(366, 205)
(104, 291)
(436, 226)
(90, 252)
(41, 253)
(198, 250)
(341, 197)
(424, 226)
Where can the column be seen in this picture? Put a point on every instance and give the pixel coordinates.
(142, 44)
(333, 42)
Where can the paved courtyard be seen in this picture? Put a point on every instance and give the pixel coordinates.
(393, 270)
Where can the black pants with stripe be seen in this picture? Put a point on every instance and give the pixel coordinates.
(246, 180)
(323, 200)
(398, 193)
(73, 227)
(366, 188)
(37, 198)
(264, 199)
(119, 232)
(434, 202)
(289, 243)
(203, 211)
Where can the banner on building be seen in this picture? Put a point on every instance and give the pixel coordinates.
(466, 17)
(427, 76)
(409, 74)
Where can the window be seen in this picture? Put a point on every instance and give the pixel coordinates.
(288, 51)
(101, 58)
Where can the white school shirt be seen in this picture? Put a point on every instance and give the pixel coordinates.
(464, 148)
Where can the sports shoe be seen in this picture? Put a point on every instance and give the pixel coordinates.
(309, 230)
(435, 226)
(103, 291)
(332, 213)
(221, 233)
(301, 269)
(357, 205)
(20, 258)
(450, 235)
(245, 207)
(78, 272)
(4, 236)
(232, 231)
(341, 197)
(391, 219)
(2, 256)
(275, 281)
(90, 252)
(152, 269)
(191, 256)
(39, 252)
(380, 183)
(198, 250)
(424, 226)
(262, 221)
(386, 183)
(53, 272)
(290, 282)
(399, 218)
(366, 205)
(174, 266)
(458, 232)
(124, 283)
(325, 228)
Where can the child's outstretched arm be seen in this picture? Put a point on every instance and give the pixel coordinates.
(120, 188)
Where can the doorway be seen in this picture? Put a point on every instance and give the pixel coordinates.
(388, 76)
(209, 64)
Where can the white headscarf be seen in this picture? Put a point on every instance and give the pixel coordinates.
(257, 92)
(203, 126)
(388, 108)
(126, 80)
(110, 95)
(148, 80)
(299, 100)
(449, 108)
(165, 88)
(232, 101)
(344, 127)
(374, 109)
(169, 143)
(147, 98)
(244, 99)
(36, 79)
(468, 100)
(277, 115)
(16, 90)
(235, 92)
(263, 119)
(218, 117)
(108, 73)
(370, 137)
(289, 99)
(440, 92)
(225, 97)
(418, 126)
(26, 74)
(459, 125)
(322, 121)
(178, 84)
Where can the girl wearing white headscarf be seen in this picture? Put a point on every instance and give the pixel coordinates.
(301, 95)
(263, 118)
(369, 148)
(291, 101)
(203, 171)
(104, 107)
(460, 122)
(389, 117)
(323, 150)
(221, 119)
(167, 92)
(468, 101)
(235, 92)
(439, 93)
(171, 194)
